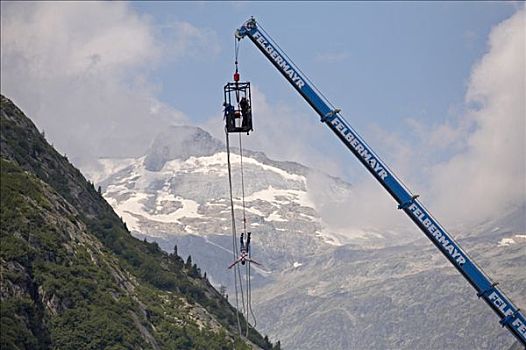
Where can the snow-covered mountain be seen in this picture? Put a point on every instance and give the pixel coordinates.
(318, 288)
(178, 193)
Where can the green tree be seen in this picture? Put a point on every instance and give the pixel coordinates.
(196, 271)
(188, 265)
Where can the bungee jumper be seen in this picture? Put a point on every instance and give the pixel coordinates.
(245, 252)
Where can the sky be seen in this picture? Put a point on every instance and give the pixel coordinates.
(436, 88)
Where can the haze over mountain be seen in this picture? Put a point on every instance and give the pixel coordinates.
(319, 288)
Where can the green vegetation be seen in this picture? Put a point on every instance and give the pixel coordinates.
(72, 275)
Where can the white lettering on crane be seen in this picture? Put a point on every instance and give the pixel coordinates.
(500, 304)
(520, 327)
(371, 162)
(280, 61)
(507, 310)
(437, 234)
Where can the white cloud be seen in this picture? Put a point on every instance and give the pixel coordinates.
(472, 167)
(467, 169)
(81, 71)
(74, 39)
(489, 176)
(186, 39)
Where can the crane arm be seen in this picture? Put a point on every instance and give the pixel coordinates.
(510, 316)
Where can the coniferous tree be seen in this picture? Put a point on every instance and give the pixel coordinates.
(196, 271)
(188, 264)
(268, 344)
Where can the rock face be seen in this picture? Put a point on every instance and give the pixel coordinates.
(187, 202)
(317, 289)
(180, 142)
(406, 297)
(74, 278)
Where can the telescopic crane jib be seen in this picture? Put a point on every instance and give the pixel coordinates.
(510, 316)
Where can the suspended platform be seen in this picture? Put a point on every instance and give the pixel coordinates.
(238, 107)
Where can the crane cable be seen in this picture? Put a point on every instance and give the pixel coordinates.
(234, 236)
(247, 307)
(247, 272)
(249, 287)
(236, 49)
(247, 267)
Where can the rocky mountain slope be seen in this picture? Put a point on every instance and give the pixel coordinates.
(72, 276)
(318, 288)
(406, 297)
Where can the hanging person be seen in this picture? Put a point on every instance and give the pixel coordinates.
(246, 113)
(245, 246)
(245, 252)
(229, 116)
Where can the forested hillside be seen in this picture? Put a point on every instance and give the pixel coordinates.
(72, 276)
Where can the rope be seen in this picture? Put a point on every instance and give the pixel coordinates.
(236, 49)
(247, 307)
(244, 226)
(242, 184)
(247, 272)
(249, 297)
(249, 288)
(237, 269)
(234, 236)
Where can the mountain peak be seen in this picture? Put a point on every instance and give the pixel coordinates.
(180, 142)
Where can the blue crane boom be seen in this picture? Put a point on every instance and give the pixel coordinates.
(510, 316)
